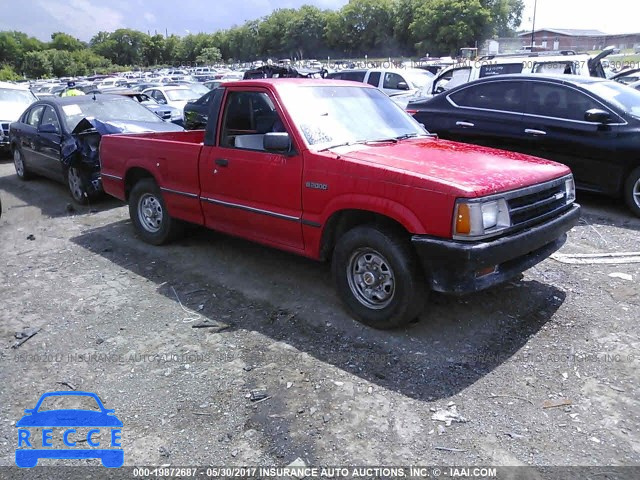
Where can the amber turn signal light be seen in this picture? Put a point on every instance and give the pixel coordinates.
(463, 219)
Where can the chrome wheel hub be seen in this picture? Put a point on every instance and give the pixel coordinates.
(636, 193)
(150, 213)
(371, 278)
(19, 164)
(75, 184)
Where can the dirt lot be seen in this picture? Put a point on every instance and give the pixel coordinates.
(116, 317)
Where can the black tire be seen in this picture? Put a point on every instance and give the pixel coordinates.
(156, 227)
(632, 192)
(20, 165)
(77, 184)
(377, 277)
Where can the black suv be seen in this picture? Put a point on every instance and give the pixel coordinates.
(590, 124)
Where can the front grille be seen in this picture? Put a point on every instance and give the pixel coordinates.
(5, 127)
(537, 204)
(166, 115)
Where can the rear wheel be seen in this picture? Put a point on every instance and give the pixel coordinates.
(149, 214)
(20, 165)
(377, 277)
(632, 191)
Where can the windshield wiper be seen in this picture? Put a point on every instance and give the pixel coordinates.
(406, 135)
(344, 144)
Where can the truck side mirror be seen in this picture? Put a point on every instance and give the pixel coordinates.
(277, 142)
(403, 86)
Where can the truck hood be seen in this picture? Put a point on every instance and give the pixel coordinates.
(469, 170)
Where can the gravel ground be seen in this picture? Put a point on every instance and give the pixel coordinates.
(541, 371)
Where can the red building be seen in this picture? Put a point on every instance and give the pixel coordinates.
(578, 40)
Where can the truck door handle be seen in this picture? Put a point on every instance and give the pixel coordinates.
(465, 124)
(222, 162)
(534, 132)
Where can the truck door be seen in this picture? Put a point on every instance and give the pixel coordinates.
(247, 190)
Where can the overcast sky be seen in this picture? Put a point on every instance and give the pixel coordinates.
(84, 18)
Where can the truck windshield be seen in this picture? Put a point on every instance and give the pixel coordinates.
(336, 115)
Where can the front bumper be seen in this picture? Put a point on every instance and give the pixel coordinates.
(453, 267)
(4, 135)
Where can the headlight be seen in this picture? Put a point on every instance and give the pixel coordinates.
(570, 190)
(176, 115)
(474, 219)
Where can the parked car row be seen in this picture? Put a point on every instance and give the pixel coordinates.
(334, 170)
(590, 124)
(59, 138)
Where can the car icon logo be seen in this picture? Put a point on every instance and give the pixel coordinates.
(70, 426)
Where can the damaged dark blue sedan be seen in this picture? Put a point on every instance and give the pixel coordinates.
(59, 138)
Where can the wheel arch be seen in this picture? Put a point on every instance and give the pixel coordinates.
(133, 176)
(344, 220)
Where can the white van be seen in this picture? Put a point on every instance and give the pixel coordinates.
(567, 62)
(14, 99)
(390, 81)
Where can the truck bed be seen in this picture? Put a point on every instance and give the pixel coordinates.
(192, 136)
(171, 156)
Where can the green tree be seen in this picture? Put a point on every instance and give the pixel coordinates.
(171, 44)
(122, 47)
(14, 45)
(272, 33)
(442, 27)
(506, 16)
(153, 50)
(362, 27)
(64, 41)
(8, 74)
(37, 65)
(62, 63)
(404, 14)
(209, 56)
(305, 32)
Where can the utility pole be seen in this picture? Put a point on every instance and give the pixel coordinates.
(533, 27)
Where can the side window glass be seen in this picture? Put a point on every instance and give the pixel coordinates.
(50, 117)
(391, 80)
(555, 68)
(559, 102)
(248, 116)
(33, 118)
(354, 76)
(374, 79)
(506, 96)
(452, 79)
(204, 100)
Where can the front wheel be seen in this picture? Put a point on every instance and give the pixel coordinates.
(377, 277)
(632, 191)
(149, 214)
(77, 183)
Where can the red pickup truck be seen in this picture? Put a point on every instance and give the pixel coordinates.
(335, 170)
